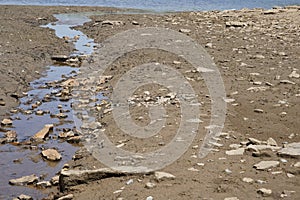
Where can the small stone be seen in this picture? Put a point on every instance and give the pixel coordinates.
(6, 122)
(61, 116)
(231, 198)
(10, 136)
(129, 182)
(110, 22)
(236, 152)
(258, 110)
(291, 150)
(228, 171)
(254, 141)
(42, 134)
(2, 103)
(235, 24)
(287, 193)
(290, 175)
(149, 198)
(66, 134)
(294, 74)
(60, 58)
(209, 45)
(150, 185)
(297, 164)
(264, 192)
(247, 180)
(261, 182)
(235, 146)
(66, 197)
(135, 23)
(25, 197)
(287, 82)
(159, 176)
(24, 180)
(43, 184)
(271, 142)
(183, 30)
(263, 165)
(51, 154)
(39, 112)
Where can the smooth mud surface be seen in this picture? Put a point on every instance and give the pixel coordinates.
(257, 54)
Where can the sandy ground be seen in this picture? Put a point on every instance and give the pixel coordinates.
(261, 51)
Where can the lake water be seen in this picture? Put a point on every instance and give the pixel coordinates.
(163, 5)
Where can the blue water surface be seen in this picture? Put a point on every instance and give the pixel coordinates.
(163, 5)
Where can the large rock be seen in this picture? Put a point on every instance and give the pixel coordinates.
(263, 165)
(42, 134)
(25, 180)
(290, 150)
(69, 178)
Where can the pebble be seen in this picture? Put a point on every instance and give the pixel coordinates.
(149, 198)
(287, 82)
(6, 122)
(258, 110)
(184, 30)
(10, 136)
(150, 185)
(44, 184)
(247, 180)
(135, 23)
(163, 176)
(54, 180)
(51, 154)
(294, 74)
(262, 165)
(2, 103)
(264, 192)
(231, 198)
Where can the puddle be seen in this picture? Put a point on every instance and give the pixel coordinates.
(25, 159)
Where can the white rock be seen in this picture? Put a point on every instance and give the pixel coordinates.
(264, 192)
(236, 152)
(297, 164)
(42, 134)
(257, 110)
(262, 165)
(6, 122)
(24, 197)
(150, 185)
(254, 141)
(149, 198)
(163, 176)
(66, 197)
(287, 82)
(294, 74)
(235, 146)
(290, 175)
(183, 30)
(247, 180)
(231, 198)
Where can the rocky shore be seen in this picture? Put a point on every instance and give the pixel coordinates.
(256, 156)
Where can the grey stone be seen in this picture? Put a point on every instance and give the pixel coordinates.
(24, 180)
(263, 165)
(291, 150)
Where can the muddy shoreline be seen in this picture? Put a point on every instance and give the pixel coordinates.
(257, 53)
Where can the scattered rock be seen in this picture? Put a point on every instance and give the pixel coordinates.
(44, 184)
(66, 197)
(6, 122)
(60, 58)
(10, 136)
(254, 141)
(51, 154)
(42, 134)
(287, 82)
(258, 110)
(261, 148)
(291, 150)
(54, 180)
(66, 134)
(135, 23)
(231, 198)
(159, 176)
(263, 165)
(209, 45)
(235, 152)
(25, 197)
(149, 198)
(297, 164)
(264, 192)
(2, 103)
(25, 180)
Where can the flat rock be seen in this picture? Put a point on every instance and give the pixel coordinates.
(231, 198)
(271, 142)
(6, 122)
(42, 134)
(163, 176)
(60, 58)
(236, 152)
(25, 197)
(235, 24)
(25, 180)
(183, 30)
(112, 22)
(43, 184)
(51, 154)
(261, 147)
(291, 150)
(264, 192)
(69, 178)
(263, 165)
